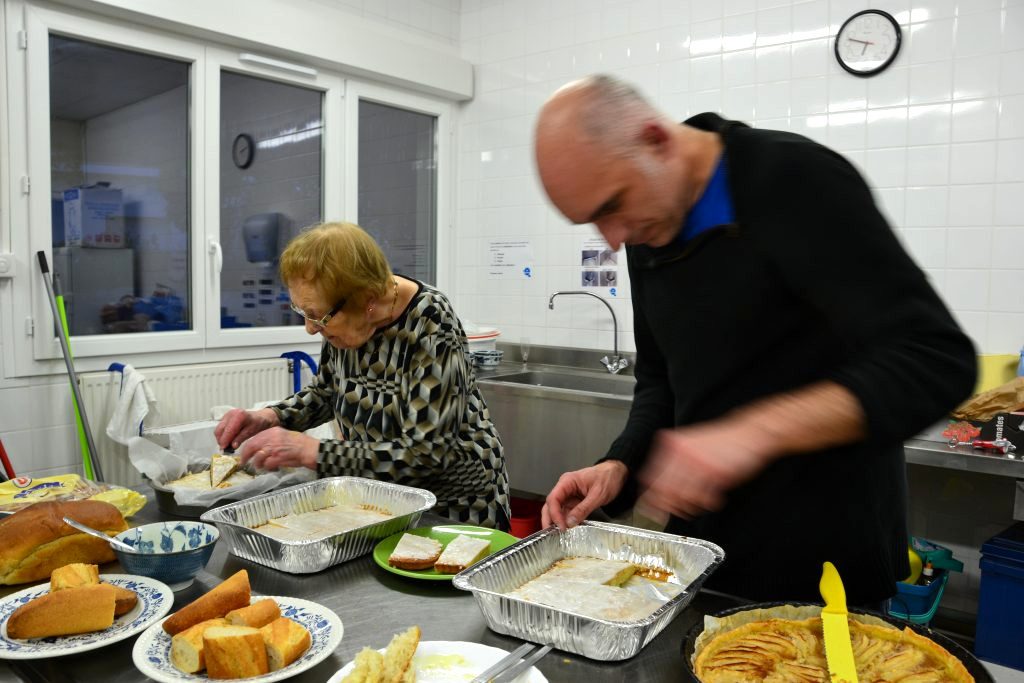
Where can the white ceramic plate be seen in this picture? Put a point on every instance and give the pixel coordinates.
(155, 600)
(453, 661)
(152, 651)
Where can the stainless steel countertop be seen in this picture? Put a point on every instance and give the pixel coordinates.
(917, 451)
(373, 605)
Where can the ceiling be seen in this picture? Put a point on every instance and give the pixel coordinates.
(88, 79)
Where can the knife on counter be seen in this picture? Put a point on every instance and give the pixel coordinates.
(834, 622)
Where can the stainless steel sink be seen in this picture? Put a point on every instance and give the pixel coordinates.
(590, 382)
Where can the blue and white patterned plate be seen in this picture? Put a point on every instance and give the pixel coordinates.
(155, 600)
(152, 651)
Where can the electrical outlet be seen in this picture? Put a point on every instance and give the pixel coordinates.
(6, 265)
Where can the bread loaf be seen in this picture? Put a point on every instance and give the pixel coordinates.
(368, 667)
(257, 615)
(71, 575)
(234, 652)
(187, 646)
(231, 594)
(286, 640)
(35, 541)
(73, 610)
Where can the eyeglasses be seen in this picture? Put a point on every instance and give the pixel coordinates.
(319, 322)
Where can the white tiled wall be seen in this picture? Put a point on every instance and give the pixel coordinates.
(434, 19)
(939, 135)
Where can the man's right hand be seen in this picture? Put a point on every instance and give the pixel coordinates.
(238, 425)
(579, 493)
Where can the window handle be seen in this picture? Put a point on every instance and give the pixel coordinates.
(213, 248)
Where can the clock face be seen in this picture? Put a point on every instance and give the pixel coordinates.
(242, 151)
(867, 42)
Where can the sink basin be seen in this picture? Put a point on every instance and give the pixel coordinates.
(594, 383)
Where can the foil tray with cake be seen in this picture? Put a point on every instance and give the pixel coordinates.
(308, 527)
(785, 642)
(600, 590)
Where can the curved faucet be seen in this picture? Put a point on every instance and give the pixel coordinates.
(616, 362)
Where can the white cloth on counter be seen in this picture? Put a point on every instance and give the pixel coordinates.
(135, 402)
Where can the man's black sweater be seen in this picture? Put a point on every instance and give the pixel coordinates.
(810, 284)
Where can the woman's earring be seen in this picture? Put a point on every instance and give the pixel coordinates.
(369, 310)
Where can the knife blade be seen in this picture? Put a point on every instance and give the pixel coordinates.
(835, 624)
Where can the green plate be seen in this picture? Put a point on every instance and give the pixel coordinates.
(444, 534)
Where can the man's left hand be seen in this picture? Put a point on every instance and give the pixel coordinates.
(691, 469)
(279, 447)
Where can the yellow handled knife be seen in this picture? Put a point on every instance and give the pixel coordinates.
(838, 651)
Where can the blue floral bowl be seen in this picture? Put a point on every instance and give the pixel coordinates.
(172, 552)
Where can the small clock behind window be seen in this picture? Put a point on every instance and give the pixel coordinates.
(868, 42)
(242, 151)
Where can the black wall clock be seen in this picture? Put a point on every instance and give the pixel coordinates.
(242, 150)
(868, 42)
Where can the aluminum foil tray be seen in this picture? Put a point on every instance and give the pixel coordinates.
(691, 560)
(236, 521)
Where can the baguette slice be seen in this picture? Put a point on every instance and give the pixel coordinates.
(398, 655)
(415, 552)
(368, 667)
(234, 652)
(257, 615)
(460, 553)
(231, 594)
(71, 575)
(286, 640)
(124, 600)
(187, 652)
(83, 609)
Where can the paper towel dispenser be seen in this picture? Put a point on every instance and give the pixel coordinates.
(260, 233)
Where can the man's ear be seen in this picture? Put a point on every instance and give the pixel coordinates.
(654, 135)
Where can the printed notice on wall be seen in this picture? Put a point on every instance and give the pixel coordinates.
(509, 259)
(599, 266)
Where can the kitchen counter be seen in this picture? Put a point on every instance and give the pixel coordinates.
(964, 458)
(373, 605)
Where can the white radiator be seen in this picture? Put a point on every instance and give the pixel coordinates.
(184, 393)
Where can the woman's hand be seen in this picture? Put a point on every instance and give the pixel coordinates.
(579, 493)
(279, 447)
(238, 425)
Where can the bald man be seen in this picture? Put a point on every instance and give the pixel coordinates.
(786, 343)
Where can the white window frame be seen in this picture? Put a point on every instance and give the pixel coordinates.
(39, 23)
(358, 90)
(333, 88)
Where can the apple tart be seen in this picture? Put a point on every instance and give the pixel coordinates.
(790, 651)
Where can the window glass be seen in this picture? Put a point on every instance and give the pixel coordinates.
(398, 186)
(119, 176)
(271, 187)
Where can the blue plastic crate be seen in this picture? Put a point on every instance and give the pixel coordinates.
(1000, 630)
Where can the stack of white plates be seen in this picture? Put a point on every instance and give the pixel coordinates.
(481, 337)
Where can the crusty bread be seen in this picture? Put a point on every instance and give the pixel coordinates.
(82, 609)
(124, 600)
(415, 552)
(231, 594)
(71, 575)
(234, 652)
(399, 653)
(35, 541)
(367, 668)
(461, 552)
(187, 646)
(286, 640)
(257, 615)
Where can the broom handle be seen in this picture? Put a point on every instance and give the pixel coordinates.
(93, 454)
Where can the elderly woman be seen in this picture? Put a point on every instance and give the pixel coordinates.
(393, 371)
